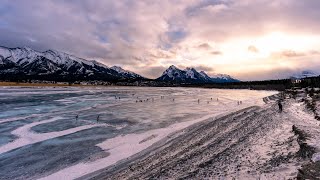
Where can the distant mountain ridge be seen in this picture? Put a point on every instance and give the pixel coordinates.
(191, 75)
(27, 64)
(304, 74)
(55, 65)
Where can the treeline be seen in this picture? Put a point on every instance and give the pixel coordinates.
(21, 77)
(279, 85)
(310, 82)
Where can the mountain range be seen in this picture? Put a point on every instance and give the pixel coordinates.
(304, 74)
(191, 75)
(25, 63)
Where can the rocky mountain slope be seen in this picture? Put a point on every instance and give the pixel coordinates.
(191, 75)
(26, 63)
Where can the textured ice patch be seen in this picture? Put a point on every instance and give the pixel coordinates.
(26, 136)
(124, 146)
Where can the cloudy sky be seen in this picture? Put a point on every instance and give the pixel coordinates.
(248, 39)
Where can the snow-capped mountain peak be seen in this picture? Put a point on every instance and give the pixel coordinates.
(57, 65)
(64, 58)
(27, 49)
(24, 55)
(125, 72)
(191, 75)
(204, 74)
(222, 76)
(172, 67)
(172, 72)
(119, 69)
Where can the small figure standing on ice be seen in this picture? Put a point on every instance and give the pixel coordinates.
(77, 117)
(280, 106)
(98, 118)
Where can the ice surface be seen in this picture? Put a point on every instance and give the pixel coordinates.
(139, 116)
(121, 147)
(26, 137)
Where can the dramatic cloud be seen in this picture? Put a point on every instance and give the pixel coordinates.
(229, 36)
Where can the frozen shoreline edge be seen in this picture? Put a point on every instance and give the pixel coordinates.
(154, 148)
(124, 164)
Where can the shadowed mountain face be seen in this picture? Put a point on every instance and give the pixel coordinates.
(25, 63)
(190, 75)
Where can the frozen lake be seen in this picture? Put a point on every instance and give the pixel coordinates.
(54, 132)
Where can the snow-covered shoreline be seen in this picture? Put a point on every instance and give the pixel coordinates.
(124, 146)
(274, 155)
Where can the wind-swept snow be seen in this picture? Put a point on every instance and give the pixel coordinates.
(122, 147)
(255, 143)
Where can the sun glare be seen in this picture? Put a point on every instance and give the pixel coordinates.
(264, 46)
(278, 41)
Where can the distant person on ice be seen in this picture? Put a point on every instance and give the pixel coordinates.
(280, 106)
